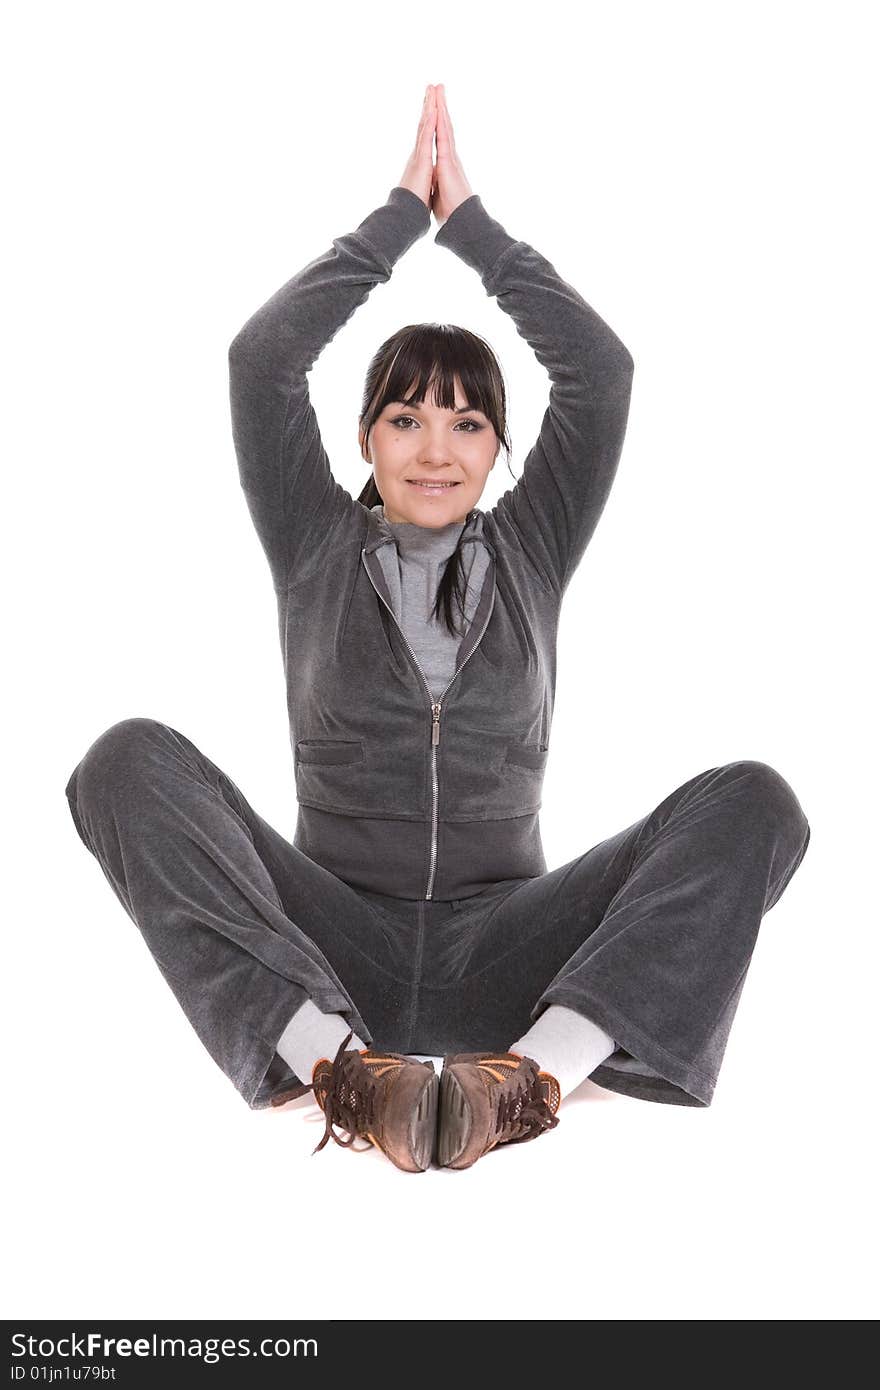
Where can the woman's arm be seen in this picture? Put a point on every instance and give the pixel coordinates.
(567, 476)
(292, 495)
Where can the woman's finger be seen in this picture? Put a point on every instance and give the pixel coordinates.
(428, 118)
(444, 141)
(450, 133)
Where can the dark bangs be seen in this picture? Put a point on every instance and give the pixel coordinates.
(431, 355)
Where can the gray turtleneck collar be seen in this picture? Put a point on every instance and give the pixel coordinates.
(431, 543)
(413, 574)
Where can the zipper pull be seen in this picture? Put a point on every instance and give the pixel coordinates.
(435, 727)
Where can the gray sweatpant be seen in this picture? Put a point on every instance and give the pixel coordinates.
(649, 933)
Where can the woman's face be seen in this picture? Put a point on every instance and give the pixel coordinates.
(416, 448)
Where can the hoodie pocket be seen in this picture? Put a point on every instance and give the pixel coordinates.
(532, 755)
(329, 750)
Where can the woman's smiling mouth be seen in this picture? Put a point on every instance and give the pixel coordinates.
(430, 488)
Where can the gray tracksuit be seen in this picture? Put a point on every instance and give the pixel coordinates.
(399, 793)
(414, 898)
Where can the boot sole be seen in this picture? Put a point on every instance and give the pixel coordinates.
(423, 1126)
(456, 1121)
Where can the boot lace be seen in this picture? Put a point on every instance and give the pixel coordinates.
(348, 1101)
(523, 1112)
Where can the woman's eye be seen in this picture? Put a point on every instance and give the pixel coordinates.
(473, 423)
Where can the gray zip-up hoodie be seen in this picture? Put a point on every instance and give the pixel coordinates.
(399, 793)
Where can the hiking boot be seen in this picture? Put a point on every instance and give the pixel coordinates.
(490, 1098)
(386, 1098)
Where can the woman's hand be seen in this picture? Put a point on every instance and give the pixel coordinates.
(449, 187)
(419, 172)
(443, 186)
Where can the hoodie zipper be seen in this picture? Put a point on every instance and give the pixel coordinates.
(435, 716)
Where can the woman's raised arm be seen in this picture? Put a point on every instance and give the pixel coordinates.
(293, 498)
(553, 509)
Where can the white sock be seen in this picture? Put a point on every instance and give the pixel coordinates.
(566, 1044)
(310, 1035)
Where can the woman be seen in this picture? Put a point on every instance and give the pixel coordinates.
(413, 912)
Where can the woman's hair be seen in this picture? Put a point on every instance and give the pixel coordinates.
(426, 353)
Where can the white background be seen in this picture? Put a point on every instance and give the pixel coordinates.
(703, 175)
